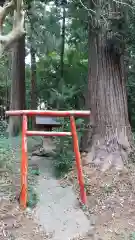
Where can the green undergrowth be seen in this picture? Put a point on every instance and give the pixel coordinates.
(10, 157)
(64, 153)
(132, 236)
(6, 154)
(32, 197)
(32, 181)
(10, 149)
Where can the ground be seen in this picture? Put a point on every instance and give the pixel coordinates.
(57, 209)
(56, 212)
(111, 201)
(110, 213)
(14, 223)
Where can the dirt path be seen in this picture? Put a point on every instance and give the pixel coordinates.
(57, 215)
(111, 203)
(57, 209)
(14, 223)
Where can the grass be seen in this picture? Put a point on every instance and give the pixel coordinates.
(108, 188)
(132, 236)
(32, 197)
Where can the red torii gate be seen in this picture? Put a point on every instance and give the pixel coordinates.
(26, 132)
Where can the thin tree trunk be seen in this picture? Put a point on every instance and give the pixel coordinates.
(33, 79)
(109, 141)
(63, 42)
(33, 59)
(17, 100)
(33, 82)
(59, 103)
(33, 64)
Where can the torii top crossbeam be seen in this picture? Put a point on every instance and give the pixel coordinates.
(48, 113)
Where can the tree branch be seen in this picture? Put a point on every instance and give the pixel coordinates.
(123, 3)
(5, 10)
(16, 6)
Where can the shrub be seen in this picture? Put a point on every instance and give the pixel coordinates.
(6, 153)
(64, 155)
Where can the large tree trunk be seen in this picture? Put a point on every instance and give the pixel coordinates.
(17, 101)
(110, 135)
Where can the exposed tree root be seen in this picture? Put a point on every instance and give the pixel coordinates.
(112, 153)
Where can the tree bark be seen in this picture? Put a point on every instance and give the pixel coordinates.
(33, 82)
(33, 79)
(17, 100)
(63, 42)
(110, 135)
(33, 63)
